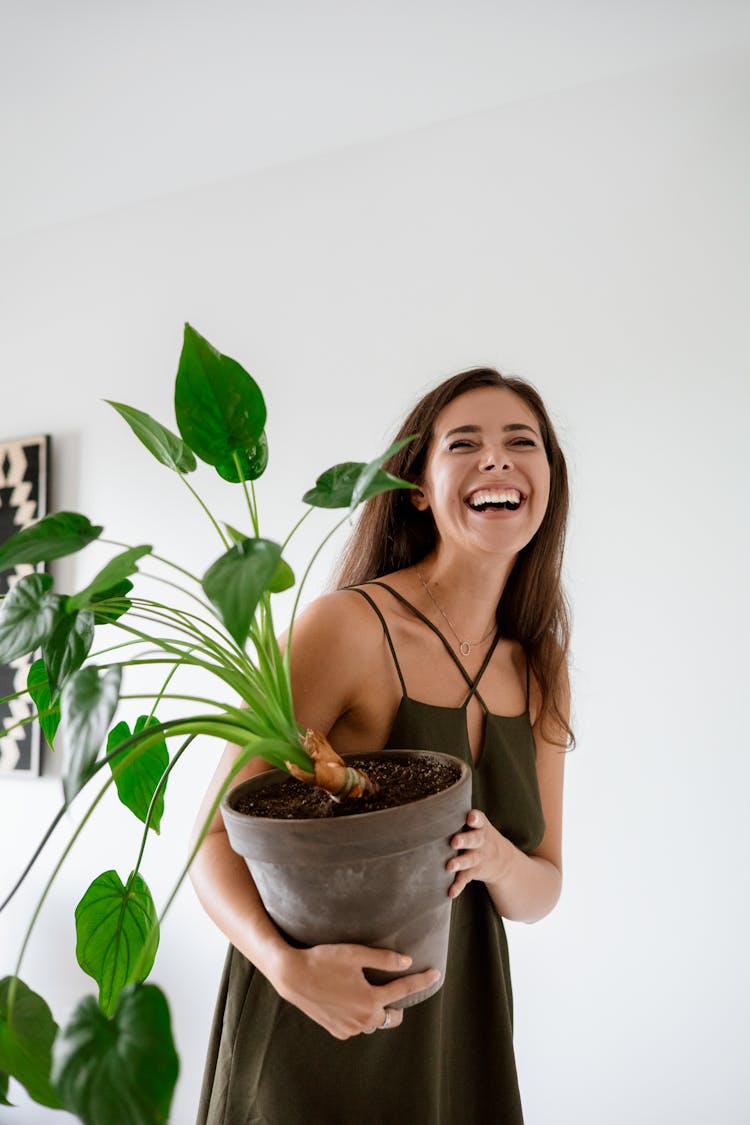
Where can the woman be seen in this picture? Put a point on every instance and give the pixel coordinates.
(450, 633)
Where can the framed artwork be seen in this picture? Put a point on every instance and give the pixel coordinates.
(24, 495)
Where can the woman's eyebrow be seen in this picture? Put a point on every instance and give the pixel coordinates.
(511, 426)
(464, 430)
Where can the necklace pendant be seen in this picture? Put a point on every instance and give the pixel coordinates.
(465, 648)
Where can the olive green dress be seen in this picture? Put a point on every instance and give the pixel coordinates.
(451, 1061)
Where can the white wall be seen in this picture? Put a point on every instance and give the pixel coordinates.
(595, 242)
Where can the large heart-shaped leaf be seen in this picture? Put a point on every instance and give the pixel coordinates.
(37, 683)
(219, 406)
(61, 534)
(122, 1070)
(137, 781)
(28, 615)
(166, 447)
(27, 1033)
(110, 605)
(116, 571)
(236, 581)
(88, 704)
(253, 463)
(117, 935)
(67, 647)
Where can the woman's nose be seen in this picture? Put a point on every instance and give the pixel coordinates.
(493, 459)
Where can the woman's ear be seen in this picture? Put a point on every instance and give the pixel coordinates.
(419, 500)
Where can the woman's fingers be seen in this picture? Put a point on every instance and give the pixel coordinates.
(386, 959)
(406, 986)
(328, 984)
(472, 838)
(398, 989)
(392, 1017)
(476, 845)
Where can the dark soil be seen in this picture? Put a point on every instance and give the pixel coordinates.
(399, 783)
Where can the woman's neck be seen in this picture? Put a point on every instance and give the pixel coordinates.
(464, 591)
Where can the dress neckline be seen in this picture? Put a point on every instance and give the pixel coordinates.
(472, 683)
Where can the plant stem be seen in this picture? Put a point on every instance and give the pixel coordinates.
(152, 806)
(53, 876)
(296, 527)
(331, 533)
(38, 851)
(158, 558)
(190, 488)
(251, 506)
(239, 763)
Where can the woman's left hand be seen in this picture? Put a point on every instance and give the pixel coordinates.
(485, 853)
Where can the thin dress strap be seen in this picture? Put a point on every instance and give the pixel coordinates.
(367, 598)
(472, 683)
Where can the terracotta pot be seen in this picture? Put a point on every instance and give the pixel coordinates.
(376, 878)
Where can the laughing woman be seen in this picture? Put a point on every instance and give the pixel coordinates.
(449, 632)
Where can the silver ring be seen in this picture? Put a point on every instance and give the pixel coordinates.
(387, 1021)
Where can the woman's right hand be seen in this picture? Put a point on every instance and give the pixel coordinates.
(328, 984)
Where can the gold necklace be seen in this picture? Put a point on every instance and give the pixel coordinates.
(464, 647)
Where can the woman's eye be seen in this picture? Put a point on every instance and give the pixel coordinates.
(523, 441)
(461, 444)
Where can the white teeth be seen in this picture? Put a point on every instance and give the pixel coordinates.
(495, 496)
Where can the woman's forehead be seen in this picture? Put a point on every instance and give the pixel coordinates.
(483, 407)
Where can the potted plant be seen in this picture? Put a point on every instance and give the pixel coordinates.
(115, 1060)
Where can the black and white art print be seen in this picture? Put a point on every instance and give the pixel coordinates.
(24, 490)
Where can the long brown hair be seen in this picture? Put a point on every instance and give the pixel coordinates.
(392, 533)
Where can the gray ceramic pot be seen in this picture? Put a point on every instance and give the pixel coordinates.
(375, 878)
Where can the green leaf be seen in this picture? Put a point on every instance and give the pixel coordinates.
(166, 447)
(116, 571)
(335, 487)
(253, 463)
(67, 647)
(137, 782)
(235, 535)
(87, 706)
(283, 578)
(219, 407)
(372, 480)
(4, 1089)
(235, 582)
(26, 1037)
(118, 1071)
(50, 538)
(277, 752)
(105, 613)
(37, 684)
(28, 615)
(117, 935)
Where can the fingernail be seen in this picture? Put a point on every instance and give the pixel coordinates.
(404, 960)
(435, 976)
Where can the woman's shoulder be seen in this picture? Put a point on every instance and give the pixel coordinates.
(338, 621)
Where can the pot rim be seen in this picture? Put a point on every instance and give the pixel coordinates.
(321, 823)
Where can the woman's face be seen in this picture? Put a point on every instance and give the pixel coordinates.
(486, 477)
